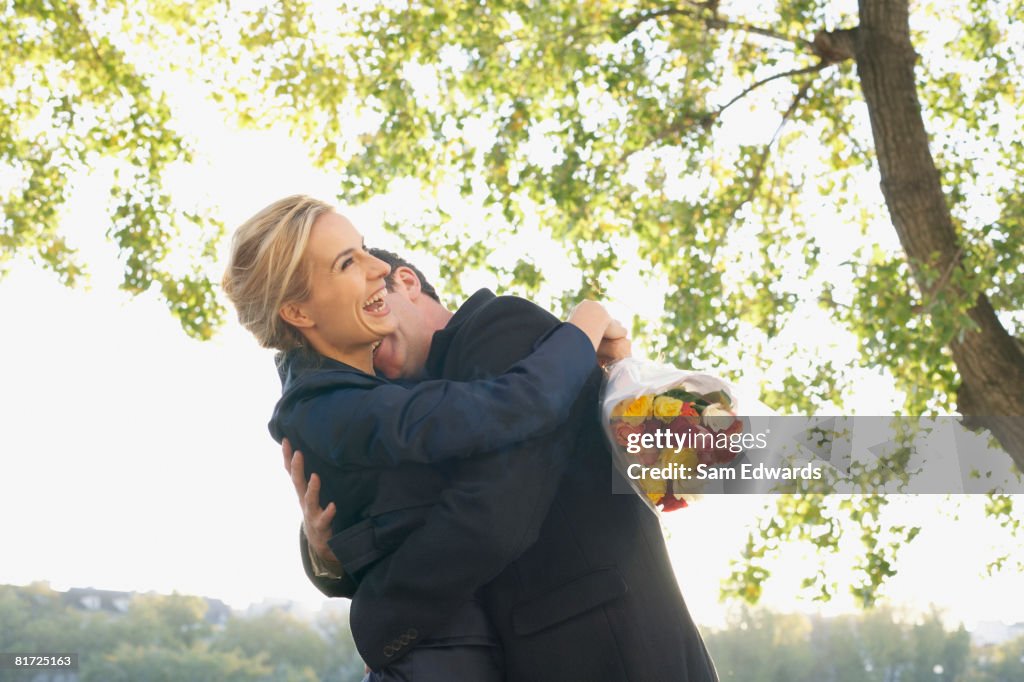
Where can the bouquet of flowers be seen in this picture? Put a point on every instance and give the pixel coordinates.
(668, 429)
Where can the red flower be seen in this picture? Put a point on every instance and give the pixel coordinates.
(671, 503)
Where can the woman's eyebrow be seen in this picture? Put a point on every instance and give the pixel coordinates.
(347, 252)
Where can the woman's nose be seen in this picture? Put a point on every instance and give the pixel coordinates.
(380, 268)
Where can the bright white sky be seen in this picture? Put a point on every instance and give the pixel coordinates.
(138, 459)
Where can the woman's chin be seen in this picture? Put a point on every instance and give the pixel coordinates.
(380, 324)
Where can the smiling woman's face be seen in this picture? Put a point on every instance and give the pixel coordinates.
(345, 315)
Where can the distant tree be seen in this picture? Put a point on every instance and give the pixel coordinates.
(155, 663)
(762, 646)
(884, 643)
(342, 661)
(938, 655)
(165, 638)
(1002, 662)
(285, 642)
(165, 620)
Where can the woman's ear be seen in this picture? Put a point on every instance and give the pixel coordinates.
(295, 315)
(403, 277)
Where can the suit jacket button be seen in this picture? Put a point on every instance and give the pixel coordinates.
(412, 633)
(389, 651)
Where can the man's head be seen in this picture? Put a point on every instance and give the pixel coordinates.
(416, 307)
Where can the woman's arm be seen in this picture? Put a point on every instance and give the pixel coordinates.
(438, 420)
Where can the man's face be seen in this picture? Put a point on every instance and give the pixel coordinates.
(403, 353)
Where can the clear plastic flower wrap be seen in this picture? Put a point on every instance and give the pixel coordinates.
(668, 427)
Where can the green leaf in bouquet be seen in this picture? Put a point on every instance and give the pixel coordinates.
(719, 397)
(700, 401)
(687, 397)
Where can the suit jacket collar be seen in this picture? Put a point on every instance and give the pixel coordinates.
(443, 337)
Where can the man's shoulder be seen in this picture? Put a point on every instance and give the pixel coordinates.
(493, 335)
(510, 312)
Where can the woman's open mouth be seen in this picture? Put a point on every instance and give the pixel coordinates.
(375, 305)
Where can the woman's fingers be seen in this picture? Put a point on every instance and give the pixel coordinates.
(327, 515)
(318, 516)
(286, 450)
(311, 502)
(298, 473)
(317, 521)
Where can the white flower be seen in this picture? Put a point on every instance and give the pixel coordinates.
(716, 417)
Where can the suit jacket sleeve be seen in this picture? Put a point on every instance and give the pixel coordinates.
(491, 513)
(437, 420)
(331, 587)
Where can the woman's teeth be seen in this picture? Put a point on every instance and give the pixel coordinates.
(375, 302)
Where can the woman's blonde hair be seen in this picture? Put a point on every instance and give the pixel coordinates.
(267, 268)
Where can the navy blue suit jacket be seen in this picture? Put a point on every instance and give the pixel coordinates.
(586, 590)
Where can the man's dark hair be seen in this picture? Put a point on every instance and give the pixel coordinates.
(396, 261)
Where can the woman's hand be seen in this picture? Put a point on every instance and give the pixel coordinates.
(316, 521)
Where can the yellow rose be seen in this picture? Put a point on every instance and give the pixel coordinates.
(634, 411)
(654, 488)
(686, 457)
(666, 409)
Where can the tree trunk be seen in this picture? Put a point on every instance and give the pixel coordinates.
(990, 363)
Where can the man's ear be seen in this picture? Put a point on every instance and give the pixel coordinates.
(295, 315)
(405, 278)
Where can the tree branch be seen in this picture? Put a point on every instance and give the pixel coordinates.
(723, 24)
(835, 46)
(707, 118)
(764, 81)
(755, 181)
(72, 8)
(707, 13)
